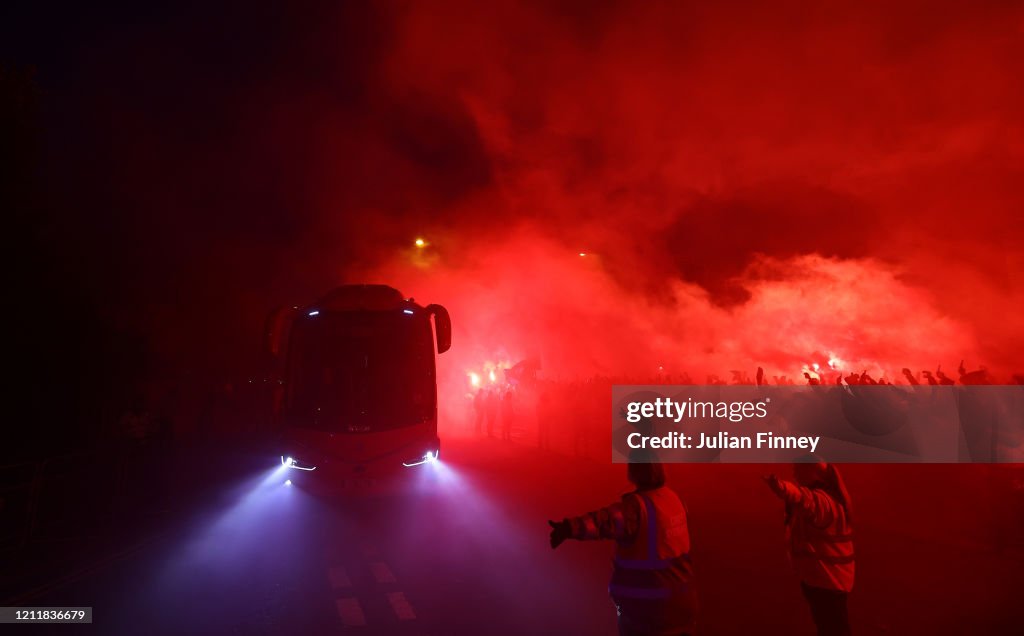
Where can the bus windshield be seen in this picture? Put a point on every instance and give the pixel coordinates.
(361, 371)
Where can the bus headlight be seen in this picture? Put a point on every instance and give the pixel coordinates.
(291, 462)
(428, 458)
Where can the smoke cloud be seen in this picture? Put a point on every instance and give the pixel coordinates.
(749, 187)
(752, 185)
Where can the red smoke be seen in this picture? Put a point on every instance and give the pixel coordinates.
(770, 185)
(524, 295)
(758, 186)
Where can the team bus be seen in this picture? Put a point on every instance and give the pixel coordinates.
(357, 389)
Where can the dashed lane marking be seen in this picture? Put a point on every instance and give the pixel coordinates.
(382, 573)
(339, 578)
(401, 606)
(351, 612)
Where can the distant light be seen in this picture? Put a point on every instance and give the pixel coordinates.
(288, 482)
(315, 312)
(407, 311)
(583, 253)
(474, 379)
(493, 377)
(420, 243)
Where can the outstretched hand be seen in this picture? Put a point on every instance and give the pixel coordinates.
(560, 531)
(774, 483)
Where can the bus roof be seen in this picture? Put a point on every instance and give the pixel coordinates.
(368, 297)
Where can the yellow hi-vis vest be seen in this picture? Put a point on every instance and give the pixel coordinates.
(823, 556)
(656, 563)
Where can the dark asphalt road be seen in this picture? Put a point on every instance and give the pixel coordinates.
(462, 549)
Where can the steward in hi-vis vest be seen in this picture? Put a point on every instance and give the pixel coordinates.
(652, 576)
(818, 526)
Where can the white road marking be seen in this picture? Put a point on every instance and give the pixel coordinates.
(351, 612)
(339, 578)
(401, 606)
(382, 572)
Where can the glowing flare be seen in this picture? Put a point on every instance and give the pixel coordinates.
(493, 377)
(420, 243)
(474, 379)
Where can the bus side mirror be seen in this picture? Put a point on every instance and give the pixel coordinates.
(442, 326)
(276, 330)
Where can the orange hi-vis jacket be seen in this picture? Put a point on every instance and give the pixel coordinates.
(652, 575)
(820, 538)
